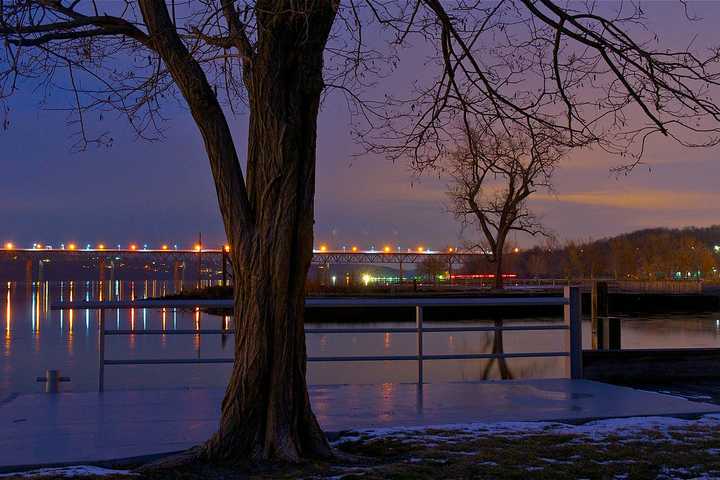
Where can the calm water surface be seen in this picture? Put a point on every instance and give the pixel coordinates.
(36, 338)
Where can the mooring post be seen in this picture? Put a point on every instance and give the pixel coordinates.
(419, 324)
(52, 380)
(573, 340)
(101, 352)
(599, 316)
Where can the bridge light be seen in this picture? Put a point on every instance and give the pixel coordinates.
(323, 248)
(451, 249)
(101, 247)
(9, 246)
(197, 247)
(133, 247)
(516, 250)
(420, 249)
(71, 246)
(226, 248)
(366, 279)
(386, 249)
(354, 249)
(164, 247)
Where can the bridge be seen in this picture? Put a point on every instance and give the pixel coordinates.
(206, 263)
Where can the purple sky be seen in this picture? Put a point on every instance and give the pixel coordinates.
(162, 192)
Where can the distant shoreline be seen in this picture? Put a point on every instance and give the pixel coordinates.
(630, 304)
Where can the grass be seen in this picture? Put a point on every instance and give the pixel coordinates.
(677, 450)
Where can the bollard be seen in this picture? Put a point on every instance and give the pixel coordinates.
(52, 380)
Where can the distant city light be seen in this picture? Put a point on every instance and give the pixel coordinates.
(9, 246)
(516, 250)
(366, 279)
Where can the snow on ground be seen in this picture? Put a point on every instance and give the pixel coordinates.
(75, 471)
(596, 430)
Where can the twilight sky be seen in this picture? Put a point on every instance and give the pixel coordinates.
(162, 192)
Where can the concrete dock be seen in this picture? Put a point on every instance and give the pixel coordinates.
(73, 428)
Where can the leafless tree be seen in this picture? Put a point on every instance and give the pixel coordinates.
(575, 70)
(491, 181)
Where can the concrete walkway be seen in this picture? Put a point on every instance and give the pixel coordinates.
(72, 428)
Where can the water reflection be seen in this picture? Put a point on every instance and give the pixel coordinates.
(36, 338)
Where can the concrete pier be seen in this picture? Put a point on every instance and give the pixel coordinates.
(72, 428)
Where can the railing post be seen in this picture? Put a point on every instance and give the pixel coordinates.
(101, 352)
(573, 320)
(419, 324)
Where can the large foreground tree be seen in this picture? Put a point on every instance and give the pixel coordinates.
(579, 71)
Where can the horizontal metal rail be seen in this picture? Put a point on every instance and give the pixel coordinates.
(320, 331)
(344, 358)
(571, 324)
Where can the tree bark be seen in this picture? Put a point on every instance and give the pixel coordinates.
(266, 413)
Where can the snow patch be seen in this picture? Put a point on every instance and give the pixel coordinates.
(69, 472)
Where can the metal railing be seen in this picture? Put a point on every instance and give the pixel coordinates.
(572, 324)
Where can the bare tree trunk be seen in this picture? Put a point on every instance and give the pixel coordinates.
(268, 219)
(266, 411)
(499, 284)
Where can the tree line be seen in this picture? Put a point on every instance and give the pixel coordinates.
(653, 254)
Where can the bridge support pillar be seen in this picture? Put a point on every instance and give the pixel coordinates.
(224, 267)
(28, 271)
(41, 272)
(177, 276)
(101, 269)
(111, 284)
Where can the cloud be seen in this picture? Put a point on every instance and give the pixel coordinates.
(639, 199)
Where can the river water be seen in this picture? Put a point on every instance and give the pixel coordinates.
(36, 338)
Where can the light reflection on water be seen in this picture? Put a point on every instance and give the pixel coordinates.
(36, 338)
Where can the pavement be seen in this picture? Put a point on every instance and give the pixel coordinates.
(91, 427)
